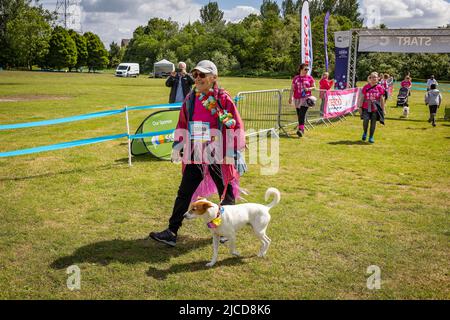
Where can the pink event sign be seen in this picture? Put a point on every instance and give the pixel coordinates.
(340, 102)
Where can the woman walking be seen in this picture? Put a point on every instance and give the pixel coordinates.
(209, 135)
(372, 108)
(302, 84)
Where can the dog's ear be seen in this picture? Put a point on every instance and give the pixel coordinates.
(207, 205)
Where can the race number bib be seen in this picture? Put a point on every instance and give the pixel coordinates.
(200, 131)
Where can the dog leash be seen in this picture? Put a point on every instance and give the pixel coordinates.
(218, 220)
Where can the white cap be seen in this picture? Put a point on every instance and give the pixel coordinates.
(206, 67)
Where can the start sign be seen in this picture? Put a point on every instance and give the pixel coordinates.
(405, 40)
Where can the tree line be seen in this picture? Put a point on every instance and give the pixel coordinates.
(264, 44)
(29, 38)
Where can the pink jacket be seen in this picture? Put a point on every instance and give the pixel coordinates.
(229, 172)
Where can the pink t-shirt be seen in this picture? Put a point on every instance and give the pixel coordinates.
(203, 115)
(372, 94)
(406, 84)
(302, 82)
(325, 85)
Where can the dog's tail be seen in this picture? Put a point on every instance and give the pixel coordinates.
(276, 197)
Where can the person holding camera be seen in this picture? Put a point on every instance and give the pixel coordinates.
(302, 84)
(180, 83)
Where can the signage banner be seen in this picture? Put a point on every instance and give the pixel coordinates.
(342, 41)
(325, 39)
(404, 44)
(306, 38)
(339, 103)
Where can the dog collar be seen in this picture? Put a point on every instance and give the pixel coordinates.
(217, 221)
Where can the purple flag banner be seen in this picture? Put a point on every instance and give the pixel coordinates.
(325, 39)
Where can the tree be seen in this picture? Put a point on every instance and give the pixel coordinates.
(62, 50)
(288, 7)
(349, 9)
(143, 49)
(345, 8)
(9, 10)
(211, 14)
(97, 54)
(115, 55)
(269, 9)
(161, 29)
(81, 45)
(27, 36)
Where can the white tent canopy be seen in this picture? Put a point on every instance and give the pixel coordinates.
(163, 66)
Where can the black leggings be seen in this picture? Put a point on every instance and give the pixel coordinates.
(372, 117)
(192, 177)
(301, 114)
(433, 109)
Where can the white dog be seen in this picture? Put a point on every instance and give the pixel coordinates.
(405, 111)
(227, 220)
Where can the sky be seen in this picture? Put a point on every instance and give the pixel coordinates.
(114, 20)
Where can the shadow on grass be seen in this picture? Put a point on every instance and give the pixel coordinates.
(143, 158)
(405, 119)
(423, 129)
(159, 274)
(129, 252)
(349, 143)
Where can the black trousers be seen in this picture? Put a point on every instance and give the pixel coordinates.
(192, 177)
(301, 114)
(433, 109)
(372, 117)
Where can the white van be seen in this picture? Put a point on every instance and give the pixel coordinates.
(127, 70)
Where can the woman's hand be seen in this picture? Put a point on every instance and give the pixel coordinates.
(290, 100)
(176, 156)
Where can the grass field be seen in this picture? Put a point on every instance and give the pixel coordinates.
(345, 205)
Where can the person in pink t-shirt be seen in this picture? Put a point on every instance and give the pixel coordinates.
(301, 95)
(407, 84)
(372, 107)
(324, 85)
(209, 122)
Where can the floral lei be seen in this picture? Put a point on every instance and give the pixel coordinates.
(210, 103)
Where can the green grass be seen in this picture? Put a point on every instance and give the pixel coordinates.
(345, 205)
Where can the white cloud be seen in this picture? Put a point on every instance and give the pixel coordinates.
(407, 13)
(238, 13)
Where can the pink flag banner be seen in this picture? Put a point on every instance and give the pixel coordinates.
(340, 102)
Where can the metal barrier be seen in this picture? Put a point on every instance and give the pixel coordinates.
(288, 114)
(269, 110)
(259, 110)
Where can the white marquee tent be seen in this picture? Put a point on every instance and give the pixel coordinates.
(163, 67)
